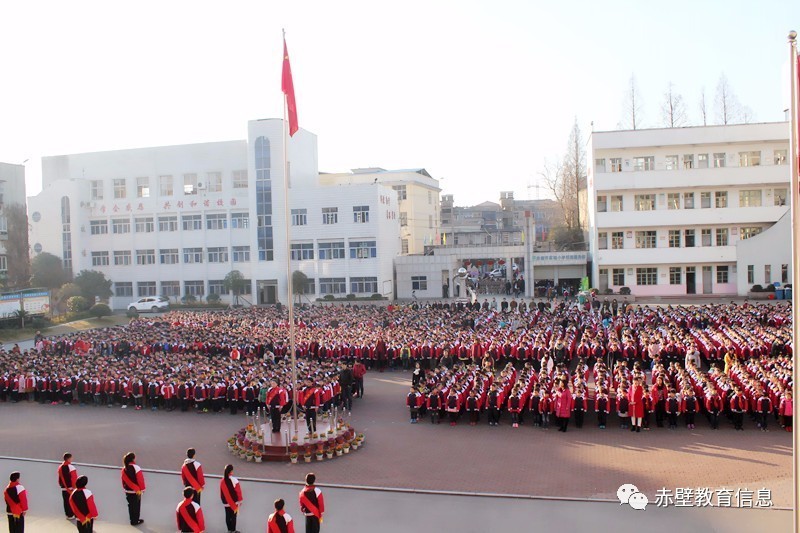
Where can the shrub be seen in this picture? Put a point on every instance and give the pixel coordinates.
(77, 304)
(351, 296)
(213, 298)
(769, 288)
(189, 299)
(608, 290)
(625, 291)
(757, 288)
(132, 313)
(376, 296)
(100, 310)
(328, 297)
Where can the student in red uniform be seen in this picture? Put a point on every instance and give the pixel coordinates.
(277, 398)
(545, 408)
(67, 475)
(133, 485)
(192, 474)
(16, 504)
(280, 521)
(786, 411)
(82, 502)
(713, 408)
(601, 408)
(189, 515)
(763, 410)
(310, 400)
(452, 406)
(230, 490)
(413, 401)
(689, 407)
(312, 504)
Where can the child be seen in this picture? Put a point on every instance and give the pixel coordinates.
(673, 409)
(545, 407)
(534, 407)
(578, 407)
(493, 400)
(689, 407)
(453, 406)
(515, 406)
(473, 408)
(413, 402)
(622, 408)
(786, 410)
(433, 402)
(763, 410)
(601, 408)
(714, 407)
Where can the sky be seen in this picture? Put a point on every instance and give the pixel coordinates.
(480, 93)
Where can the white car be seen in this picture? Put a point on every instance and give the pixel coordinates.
(150, 303)
(497, 273)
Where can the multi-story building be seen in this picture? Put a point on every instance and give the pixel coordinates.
(12, 191)
(668, 206)
(175, 220)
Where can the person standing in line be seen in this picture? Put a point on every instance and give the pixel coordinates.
(192, 474)
(67, 476)
(133, 485)
(275, 400)
(280, 521)
(16, 504)
(312, 504)
(359, 371)
(82, 502)
(189, 515)
(230, 491)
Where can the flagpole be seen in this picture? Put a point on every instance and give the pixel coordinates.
(794, 152)
(287, 221)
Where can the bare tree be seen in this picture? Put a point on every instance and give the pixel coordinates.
(728, 110)
(632, 106)
(703, 107)
(747, 115)
(17, 250)
(673, 109)
(567, 177)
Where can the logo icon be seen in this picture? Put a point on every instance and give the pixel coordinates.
(630, 494)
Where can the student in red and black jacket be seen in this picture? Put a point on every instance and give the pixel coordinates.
(133, 485)
(452, 404)
(233, 397)
(434, 405)
(312, 504)
(67, 476)
(413, 402)
(192, 474)
(310, 400)
(83, 507)
(763, 410)
(714, 408)
(189, 515)
(280, 521)
(16, 504)
(230, 491)
(277, 398)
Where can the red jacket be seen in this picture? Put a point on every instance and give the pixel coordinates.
(192, 475)
(230, 491)
(636, 402)
(132, 479)
(563, 403)
(67, 476)
(189, 516)
(280, 522)
(311, 501)
(82, 503)
(16, 499)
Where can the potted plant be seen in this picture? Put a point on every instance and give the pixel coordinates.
(346, 447)
(293, 458)
(339, 450)
(307, 457)
(329, 452)
(258, 457)
(320, 455)
(249, 455)
(354, 444)
(360, 438)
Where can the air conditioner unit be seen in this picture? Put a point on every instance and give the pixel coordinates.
(201, 186)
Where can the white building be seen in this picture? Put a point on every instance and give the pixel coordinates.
(12, 191)
(175, 220)
(668, 207)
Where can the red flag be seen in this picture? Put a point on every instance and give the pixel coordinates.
(287, 85)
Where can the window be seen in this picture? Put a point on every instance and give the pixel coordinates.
(401, 191)
(616, 164)
(241, 254)
(673, 200)
(362, 249)
(330, 215)
(688, 161)
(123, 289)
(645, 239)
(146, 288)
(240, 179)
(145, 257)
(671, 162)
(331, 250)
(430, 222)
(751, 275)
(143, 187)
(430, 197)
(780, 157)
(617, 240)
(190, 184)
(403, 219)
(192, 255)
(646, 276)
(217, 221)
(722, 236)
(688, 238)
(719, 160)
(618, 277)
(119, 188)
(675, 276)
(419, 283)
(165, 186)
(644, 163)
(674, 238)
(168, 223)
(616, 203)
(98, 227)
(122, 258)
(644, 202)
(144, 225)
(779, 197)
(170, 288)
(100, 259)
(364, 285)
(299, 217)
(97, 189)
(360, 214)
(332, 286)
(749, 231)
(767, 274)
(302, 251)
(721, 199)
(194, 288)
(751, 198)
(216, 286)
(240, 220)
(602, 204)
(722, 274)
(120, 225)
(218, 254)
(602, 240)
(705, 200)
(688, 200)
(404, 246)
(702, 160)
(705, 237)
(192, 222)
(599, 165)
(784, 273)
(214, 183)
(168, 256)
(750, 159)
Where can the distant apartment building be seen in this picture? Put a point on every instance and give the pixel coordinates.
(12, 191)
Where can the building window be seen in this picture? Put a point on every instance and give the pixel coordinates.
(705, 237)
(722, 236)
(330, 215)
(617, 240)
(671, 162)
(430, 197)
(144, 225)
(214, 182)
(145, 257)
(100, 259)
(171, 289)
(216, 286)
(602, 204)
(419, 283)
(241, 254)
(146, 288)
(768, 274)
(264, 199)
(120, 225)
(599, 165)
(190, 184)
(403, 219)
(332, 286)
(705, 199)
(646, 276)
(719, 160)
(688, 161)
(644, 202)
(780, 157)
(779, 197)
(750, 159)
(168, 223)
(675, 277)
(217, 221)
(331, 250)
(122, 258)
(688, 238)
(240, 220)
(143, 187)
(749, 231)
(240, 179)
(98, 227)
(644, 163)
(123, 289)
(97, 189)
(192, 255)
(360, 214)
(119, 188)
(602, 240)
(702, 160)
(616, 203)
(404, 246)
(430, 222)
(218, 254)
(751, 274)
(363, 249)
(165, 186)
(618, 277)
(401, 191)
(751, 198)
(299, 217)
(722, 274)
(194, 288)
(302, 251)
(688, 200)
(673, 200)
(784, 273)
(721, 199)
(168, 256)
(192, 222)
(645, 239)
(616, 164)
(674, 238)
(364, 285)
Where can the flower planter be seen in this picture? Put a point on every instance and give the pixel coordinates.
(259, 458)
(319, 457)
(293, 460)
(330, 455)
(307, 458)
(249, 458)
(346, 450)
(339, 452)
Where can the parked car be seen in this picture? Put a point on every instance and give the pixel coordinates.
(150, 303)
(497, 273)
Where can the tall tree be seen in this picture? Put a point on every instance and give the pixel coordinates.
(93, 285)
(632, 106)
(299, 283)
(703, 107)
(673, 108)
(234, 282)
(17, 249)
(567, 178)
(727, 107)
(48, 271)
